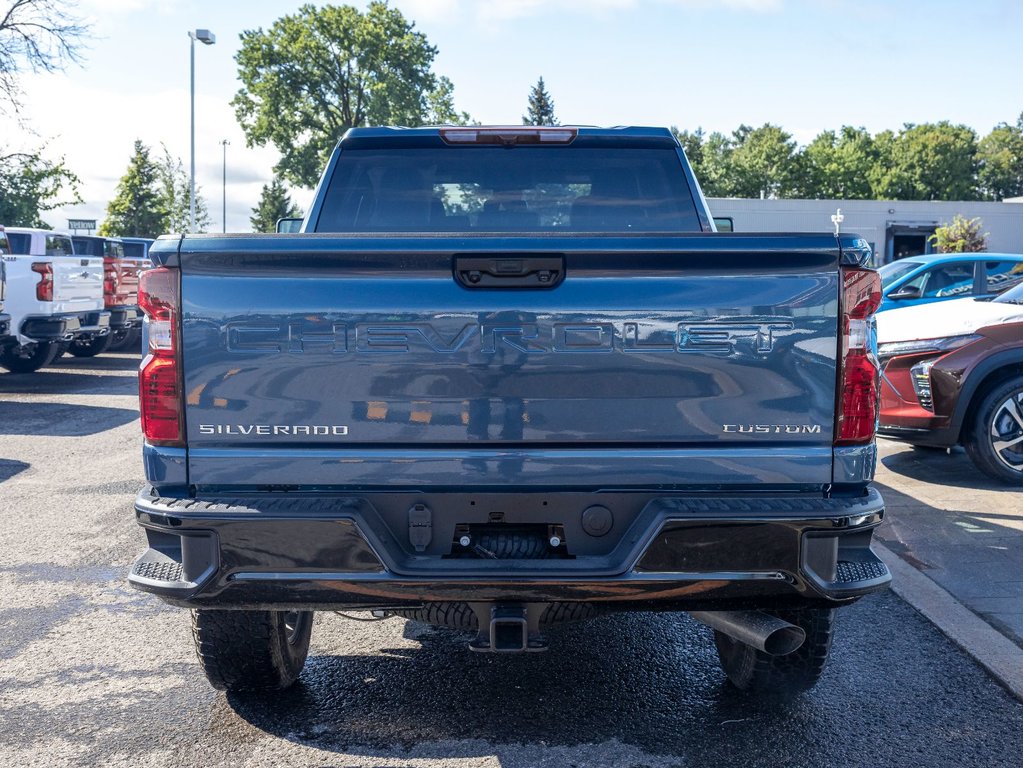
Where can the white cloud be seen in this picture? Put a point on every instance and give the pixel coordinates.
(95, 129)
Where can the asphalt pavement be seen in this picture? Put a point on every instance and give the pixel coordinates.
(94, 673)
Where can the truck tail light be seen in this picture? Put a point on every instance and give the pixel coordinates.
(858, 371)
(160, 387)
(109, 280)
(44, 288)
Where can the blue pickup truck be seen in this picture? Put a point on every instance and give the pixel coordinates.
(504, 378)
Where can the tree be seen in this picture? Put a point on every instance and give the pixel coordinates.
(541, 107)
(961, 236)
(1000, 162)
(715, 166)
(30, 185)
(440, 106)
(274, 203)
(932, 161)
(763, 161)
(137, 209)
(174, 195)
(37, 35)
(317, 73)
(839, 165)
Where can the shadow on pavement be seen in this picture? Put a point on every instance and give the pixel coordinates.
(642, 682)
(60, 419)
(941, 468)
(98, 363)
(49, 381)
(9, 467)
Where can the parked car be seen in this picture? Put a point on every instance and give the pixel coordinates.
(120, 294)
(53, 296)
(952, 374)
(939, 277)
(571, 398)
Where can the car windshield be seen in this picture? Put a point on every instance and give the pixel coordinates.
(892, 272)
(1011, 296)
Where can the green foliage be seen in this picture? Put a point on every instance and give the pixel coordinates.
(174, 194)
(764, 162)
(541, 107)
(30, 185)
(1000, 162)
(839, 165)
(137, 209)
(322, 70)
(274, 203)
(961, 236)
(934, 161)
(152, 198)
(440, 106)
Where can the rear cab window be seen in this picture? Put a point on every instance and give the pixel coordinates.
(520, 189)
(59, 245)
(19, 243)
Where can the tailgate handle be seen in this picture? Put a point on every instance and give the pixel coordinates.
(509, 271)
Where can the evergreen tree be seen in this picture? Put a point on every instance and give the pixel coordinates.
(138, 208)
(274, 203)
(174, 191)
(541, 107)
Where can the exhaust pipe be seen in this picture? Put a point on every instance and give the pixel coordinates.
(762, 631)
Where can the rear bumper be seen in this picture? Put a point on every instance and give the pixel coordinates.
(67, 326)
(277, 551)
(124, 318)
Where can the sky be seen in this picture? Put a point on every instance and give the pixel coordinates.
(807, 65)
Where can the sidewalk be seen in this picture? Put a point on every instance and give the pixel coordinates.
(964, 531)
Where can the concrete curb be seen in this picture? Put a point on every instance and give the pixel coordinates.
(1001, 657)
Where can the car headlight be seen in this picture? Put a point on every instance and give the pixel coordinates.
(892, 349)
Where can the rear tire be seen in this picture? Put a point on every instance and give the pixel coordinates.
(995, 438)
(97, 345)
(753, 670)
(126, 340)
(29, 358)
(252, 650)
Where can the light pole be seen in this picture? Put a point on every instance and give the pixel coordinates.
(223, 217)
(208, 38)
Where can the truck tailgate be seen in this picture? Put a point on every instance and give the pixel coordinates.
(701, 361)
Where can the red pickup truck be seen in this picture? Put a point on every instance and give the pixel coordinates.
(120, 295)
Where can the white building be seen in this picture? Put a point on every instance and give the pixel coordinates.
(895, 228)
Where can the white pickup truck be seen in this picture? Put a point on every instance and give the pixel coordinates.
(53, 297)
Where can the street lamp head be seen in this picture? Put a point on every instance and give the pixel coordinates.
(203, 36)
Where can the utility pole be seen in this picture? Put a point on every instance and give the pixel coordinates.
(205, 37)
(223, 219)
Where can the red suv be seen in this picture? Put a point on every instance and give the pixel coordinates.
(962, 389)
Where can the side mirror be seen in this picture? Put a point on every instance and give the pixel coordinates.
(289, 226)
(905, 293)
(724, 224)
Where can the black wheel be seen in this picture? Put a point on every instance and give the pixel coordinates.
(750, 669)
(97, 345)
(252, 650)
(29, 358)
(995, 438)
(125, 340)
